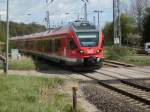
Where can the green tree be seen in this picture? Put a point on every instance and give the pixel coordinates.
(108, 33)
(146, 27)
(127, 28)
(20, 29)
(2, 31)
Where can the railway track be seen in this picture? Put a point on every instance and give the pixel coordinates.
(131, 90)
(128, 81)
(117, 64)
(134, 92)
(124, 65)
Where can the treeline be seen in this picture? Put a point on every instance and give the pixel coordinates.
(135, 25)
(20, 29)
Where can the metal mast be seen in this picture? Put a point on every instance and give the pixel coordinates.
(0, 17)
(98, 17)
(7, 39)
(85, 9)
(117, 22)
(47, 16)
(94, 20)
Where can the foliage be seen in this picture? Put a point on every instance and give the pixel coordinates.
(117, 52)
(133, 40)
(108, 33)
(126, 54)
(146, 27)
(137, 60)
(19, 29)
(2, 31)
(136, 11)
(127, 27)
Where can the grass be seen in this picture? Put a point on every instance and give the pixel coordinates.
(137, 60)
(126, 54)
(32, 94)
(1, 64)
(25, 63)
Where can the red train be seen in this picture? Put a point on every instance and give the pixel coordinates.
(78, 45)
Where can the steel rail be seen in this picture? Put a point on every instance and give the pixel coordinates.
(119, 63)
(123, 92)
(125, 81)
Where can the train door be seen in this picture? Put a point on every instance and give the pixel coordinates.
(71, 48)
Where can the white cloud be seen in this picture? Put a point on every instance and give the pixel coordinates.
(19, 10)
(2, 13)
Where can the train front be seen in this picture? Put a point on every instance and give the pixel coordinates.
(90, 49)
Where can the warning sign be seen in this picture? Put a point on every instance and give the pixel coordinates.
(116, 41)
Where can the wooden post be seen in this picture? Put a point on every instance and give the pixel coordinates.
(4, 68)
(74, 99)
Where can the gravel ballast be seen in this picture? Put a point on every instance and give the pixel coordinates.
(145, 83)
(107, 101)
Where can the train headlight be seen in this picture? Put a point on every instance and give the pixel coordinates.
(98, 59)
(82, 52)
(98, 51)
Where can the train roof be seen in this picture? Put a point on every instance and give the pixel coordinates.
(83, 26)
(77, 26)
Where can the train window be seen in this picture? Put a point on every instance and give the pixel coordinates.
(39, 45)
(50, 46)
(88, 39)
(71, 45)
(57, 44)
(22, 44)
(45, 44)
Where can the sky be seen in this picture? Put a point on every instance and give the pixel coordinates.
(61, 11)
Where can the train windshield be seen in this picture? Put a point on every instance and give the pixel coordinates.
(88, 39)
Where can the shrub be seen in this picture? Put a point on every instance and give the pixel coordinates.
(117, 52)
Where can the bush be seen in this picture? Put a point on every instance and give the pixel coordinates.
(117, 52)
(138, 60)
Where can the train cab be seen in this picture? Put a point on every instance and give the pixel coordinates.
(86, 45)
